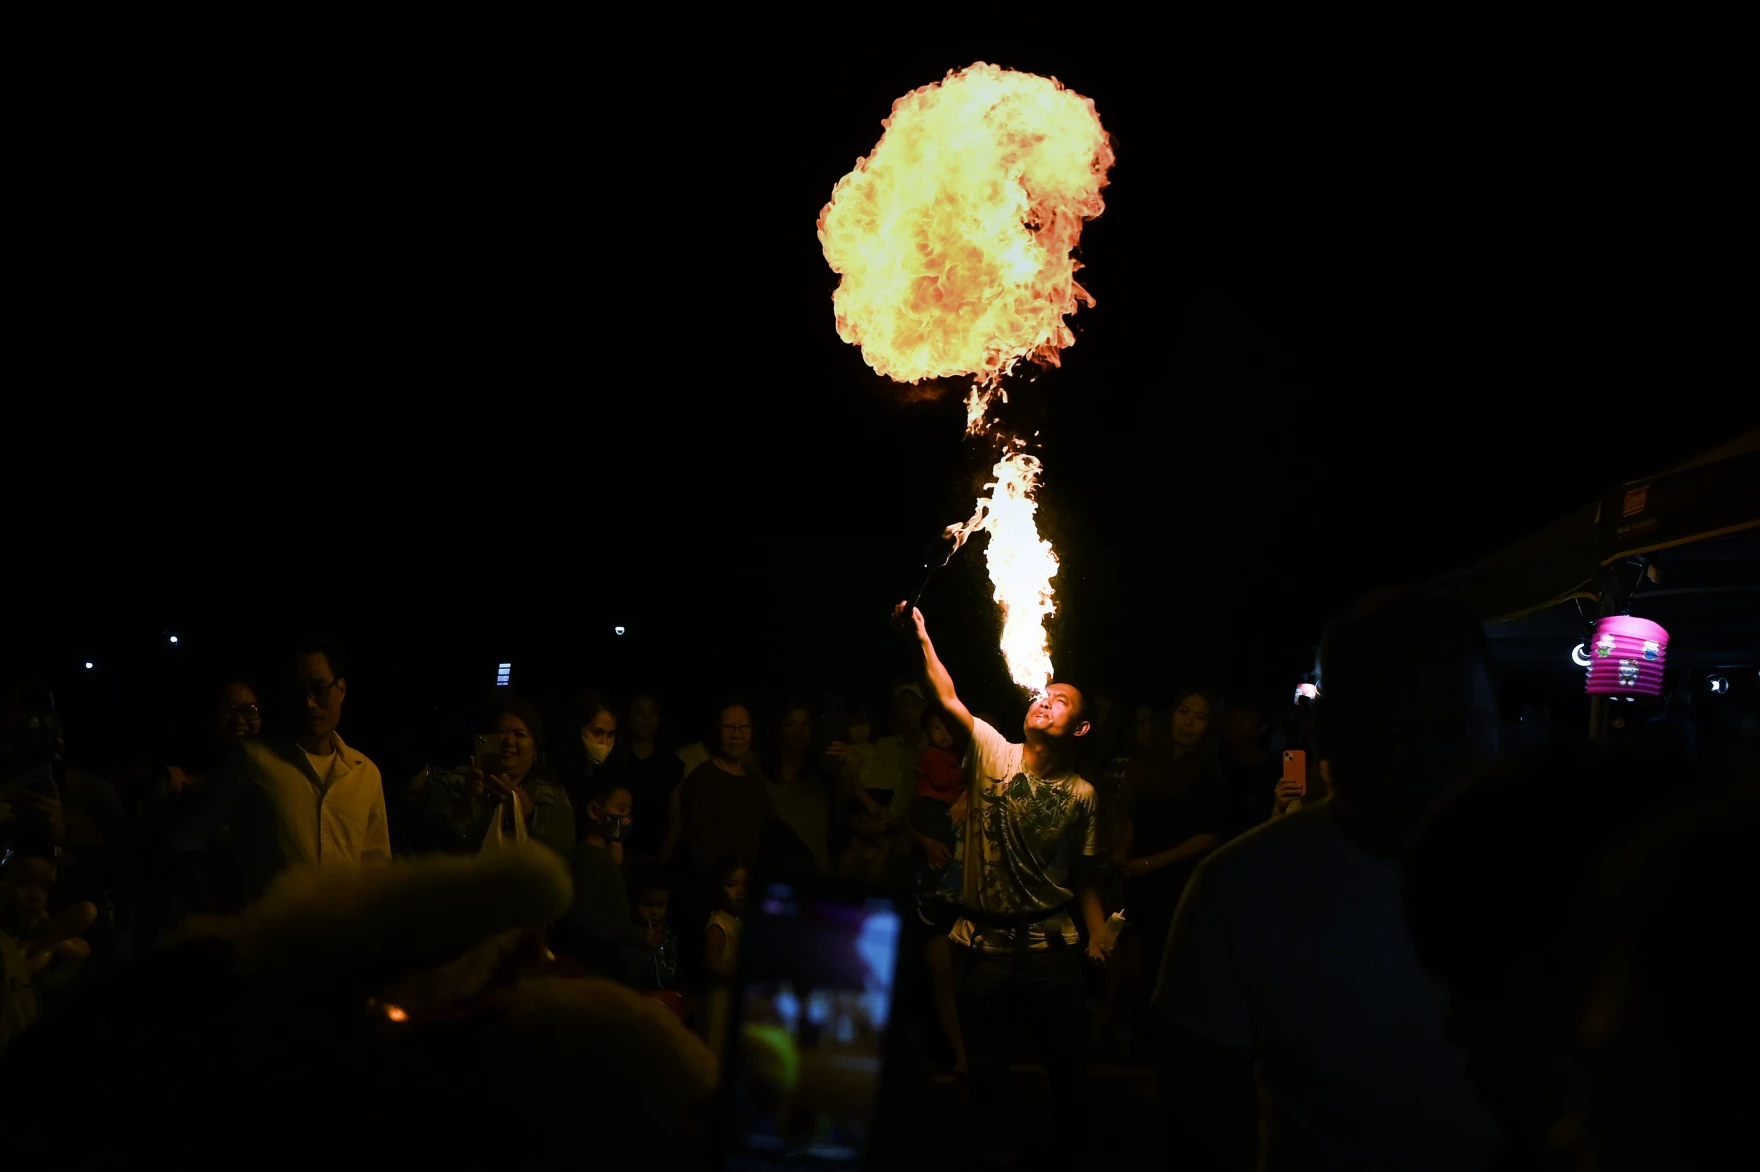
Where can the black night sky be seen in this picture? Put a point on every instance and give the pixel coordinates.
(485, 335)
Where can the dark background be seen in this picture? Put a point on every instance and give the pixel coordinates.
(470, 338)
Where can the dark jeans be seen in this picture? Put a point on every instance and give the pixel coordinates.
(999, 993)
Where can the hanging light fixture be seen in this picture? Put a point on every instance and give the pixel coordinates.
(1627, 656)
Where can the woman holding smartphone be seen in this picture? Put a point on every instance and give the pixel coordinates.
(507, 778)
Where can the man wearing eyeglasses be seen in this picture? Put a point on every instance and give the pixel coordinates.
(301, 796)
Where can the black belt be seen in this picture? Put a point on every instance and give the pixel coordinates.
(985, 919)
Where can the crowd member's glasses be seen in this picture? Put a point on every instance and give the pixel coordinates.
(240, 710)
(736, 728)
(318, 690)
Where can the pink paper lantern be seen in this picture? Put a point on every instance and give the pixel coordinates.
(1626, 657)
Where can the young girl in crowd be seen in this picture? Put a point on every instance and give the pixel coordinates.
(939, 805)
(940, 784)
(721, 934)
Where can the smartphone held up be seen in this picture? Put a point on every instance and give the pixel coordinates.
(1294, 783)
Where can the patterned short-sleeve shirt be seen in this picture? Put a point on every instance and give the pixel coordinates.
(1021, 838)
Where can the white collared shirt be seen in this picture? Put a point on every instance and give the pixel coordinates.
(283, 813)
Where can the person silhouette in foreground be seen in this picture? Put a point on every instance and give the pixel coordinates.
(1290, 950)
(1668, 1029)
(1506, 934)
(1027, 841)
(418, 1002)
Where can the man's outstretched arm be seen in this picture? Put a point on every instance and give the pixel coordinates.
(940, 683)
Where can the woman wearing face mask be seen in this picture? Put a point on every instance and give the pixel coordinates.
(1173, 818)
(583, 746)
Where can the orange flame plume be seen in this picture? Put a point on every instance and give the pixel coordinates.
(953, 237)
(1022, 565)
(953, 241)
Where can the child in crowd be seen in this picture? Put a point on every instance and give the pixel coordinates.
(939, 805)
(940, 784)
(721, 934)
(596, 929)
(31, 939)
(653, 964)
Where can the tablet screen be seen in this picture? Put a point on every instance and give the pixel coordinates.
(816, 1000)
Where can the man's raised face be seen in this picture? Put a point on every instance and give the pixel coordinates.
(1058, 713)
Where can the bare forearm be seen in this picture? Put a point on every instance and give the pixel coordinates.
(941, 683)
(1093, 913)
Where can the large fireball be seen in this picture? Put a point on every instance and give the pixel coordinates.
(954, 241)
(953, 238)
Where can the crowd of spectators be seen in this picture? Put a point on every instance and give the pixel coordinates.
(1297, 954)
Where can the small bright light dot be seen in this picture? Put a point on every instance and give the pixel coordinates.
(88, 665)
(395, 1013)
(174, 638)
(619, 630)
(1719, 685)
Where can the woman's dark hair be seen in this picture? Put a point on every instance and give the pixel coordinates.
(724, 867)
(510, 705)
(585, 706)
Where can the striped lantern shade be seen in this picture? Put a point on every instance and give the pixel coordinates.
(1626, 657)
